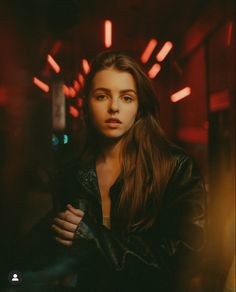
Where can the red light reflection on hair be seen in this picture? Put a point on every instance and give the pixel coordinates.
(148, 50)
(53, 64)
(152, 73)
(108, 33)
(43, 86)
(180, 94)
(85, 65)
(164, 51)
(73, 111)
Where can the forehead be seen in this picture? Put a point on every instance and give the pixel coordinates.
(113, 79)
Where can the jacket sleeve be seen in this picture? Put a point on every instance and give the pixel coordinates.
(178, 236)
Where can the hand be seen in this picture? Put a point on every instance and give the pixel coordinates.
(65, 225)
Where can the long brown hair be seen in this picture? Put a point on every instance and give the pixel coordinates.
(147, 162)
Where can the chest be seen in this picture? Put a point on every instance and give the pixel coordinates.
(106, 176)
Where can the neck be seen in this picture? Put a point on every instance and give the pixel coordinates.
(110, 150)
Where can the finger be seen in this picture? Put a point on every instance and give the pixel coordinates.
(75, 211)
(69, 217)
(65, 225)
(62, 232)
(64, 242)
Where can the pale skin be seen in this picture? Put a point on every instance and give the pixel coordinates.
(113, 94)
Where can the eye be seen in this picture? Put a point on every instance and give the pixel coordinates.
(127, 98)
(100, 97)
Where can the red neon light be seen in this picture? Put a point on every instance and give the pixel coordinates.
(80, 102)
(164, 51)
(76, 85)
(148, 50)
(81, 79)
(181, 94)
(108, 33)
(43, 86)
(152, 73)
(85, 65)
(66, 90)
(74, 112)
(229, 33)
(53, 64)
(72, 92)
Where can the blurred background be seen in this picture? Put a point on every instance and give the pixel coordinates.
(186, 47)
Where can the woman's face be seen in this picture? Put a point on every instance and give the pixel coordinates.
(113, 102)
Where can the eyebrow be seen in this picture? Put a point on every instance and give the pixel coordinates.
(108, 90)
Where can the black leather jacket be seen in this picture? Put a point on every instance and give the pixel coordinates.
(164, 258)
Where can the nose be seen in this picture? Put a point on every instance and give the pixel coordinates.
(114, 105)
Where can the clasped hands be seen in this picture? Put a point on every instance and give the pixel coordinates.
(65, 225)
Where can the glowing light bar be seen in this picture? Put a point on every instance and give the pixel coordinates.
(152, 73)
(53, 64)
(229, 33)
(74, 112)
(43, 86)
(180, 94)
(148, 50)
(80, 102)
(76, 85)
(164, 51)
(108, 33)
(81, 79)
(72, 92)
(66, 90)
(85, 65)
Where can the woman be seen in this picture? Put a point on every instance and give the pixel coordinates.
(136, 202)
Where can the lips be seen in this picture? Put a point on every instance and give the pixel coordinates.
(112, 120)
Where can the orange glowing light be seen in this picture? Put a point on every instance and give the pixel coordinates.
(66, 90)
(229, 33)
(53, 64)
(85, 65)
(81, 79)
(76, 85)
(74, 112)
(43, 86)
(80, 102)
(108, 33)
(72, 92)
(180, 94)
(148, 50)
(164, 51)
(152, 73)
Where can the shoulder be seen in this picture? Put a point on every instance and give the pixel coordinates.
(185, 167)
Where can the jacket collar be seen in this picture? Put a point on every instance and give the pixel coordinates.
(86, 176)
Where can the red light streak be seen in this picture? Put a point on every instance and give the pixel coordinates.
(66, 90)
(72, 92)
(74, 112)
(85, 65)
(148, 50)
(76, 85)
(43, 86)
(152, 73)
(180, 94)
(81, 79)
(164, 51)
(108, 33)
(53, 64)
(229, 33)
(80, 102)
